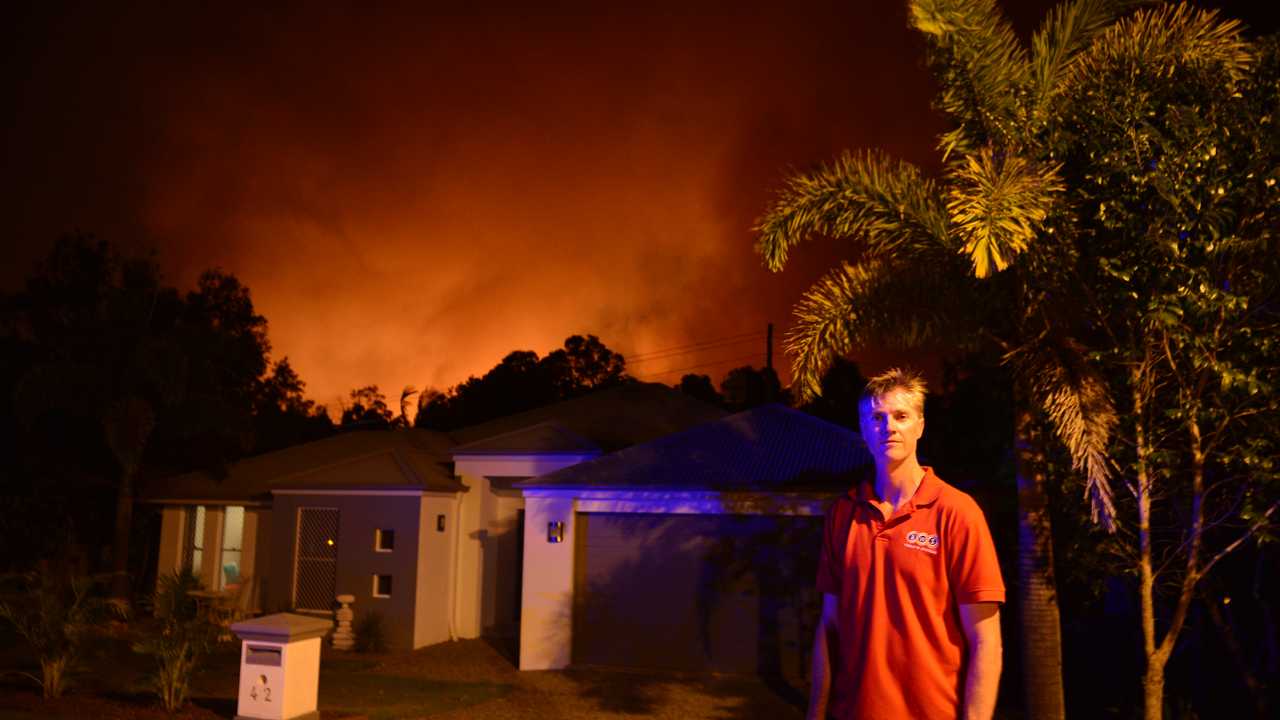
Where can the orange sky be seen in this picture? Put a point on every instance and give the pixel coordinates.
(411, 194)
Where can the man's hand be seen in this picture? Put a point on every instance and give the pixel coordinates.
(824, 647)
(981, 624)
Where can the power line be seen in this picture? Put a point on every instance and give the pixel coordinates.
(695, 347)
(700, 365)
(715, 341)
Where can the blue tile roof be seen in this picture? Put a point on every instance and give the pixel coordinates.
(767, 448)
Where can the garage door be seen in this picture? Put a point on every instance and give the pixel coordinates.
(723, 593)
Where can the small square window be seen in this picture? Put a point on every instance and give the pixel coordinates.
(382, 586)
(384, 540)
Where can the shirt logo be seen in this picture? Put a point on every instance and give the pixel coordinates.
(917, 540)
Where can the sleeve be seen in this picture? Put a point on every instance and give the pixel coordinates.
(831, 555)
(972, 566)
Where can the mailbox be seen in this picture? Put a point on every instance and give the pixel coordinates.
(279, 666)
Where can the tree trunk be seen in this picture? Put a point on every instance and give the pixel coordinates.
(1153, 679)
(1037, 598)
(120, 586)
(1153, 690)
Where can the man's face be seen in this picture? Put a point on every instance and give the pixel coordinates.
(891, 426)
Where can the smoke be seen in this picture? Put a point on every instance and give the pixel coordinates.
(412, 193)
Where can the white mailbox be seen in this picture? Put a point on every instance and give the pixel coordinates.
(280, 666)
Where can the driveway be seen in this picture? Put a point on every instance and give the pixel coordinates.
(595, 693)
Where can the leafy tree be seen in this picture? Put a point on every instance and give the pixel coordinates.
(1170, 147)
(523, 381)
(1125, 166)
(583, 365)
(92, 316)
(952, 263)
(700, 387)
(368, 409)
(746, 387)
(283, 415)
(121, 378)
(837, 399)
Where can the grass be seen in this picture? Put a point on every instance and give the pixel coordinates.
(392, 697)
(112, 683)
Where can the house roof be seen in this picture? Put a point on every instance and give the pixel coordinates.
(611, 419)
(767, 448)
(545, 437)
(411, 458)
(415, 458)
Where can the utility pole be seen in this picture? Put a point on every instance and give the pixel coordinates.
(768, 348)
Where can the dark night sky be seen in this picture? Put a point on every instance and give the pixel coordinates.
(412, 193)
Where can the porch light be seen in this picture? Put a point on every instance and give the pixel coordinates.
(555, 532)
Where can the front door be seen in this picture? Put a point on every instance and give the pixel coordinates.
(316, 565)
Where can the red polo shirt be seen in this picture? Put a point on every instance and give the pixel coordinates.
(900, 582)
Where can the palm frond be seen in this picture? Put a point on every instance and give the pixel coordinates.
(1075, 397)
(997, 203)
(980, 65)
(885, 204)
(880, 301)
(1069, 28)
(1163, 39)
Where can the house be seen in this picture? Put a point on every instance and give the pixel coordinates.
(423, 527)
(694, 551)
(632, 527)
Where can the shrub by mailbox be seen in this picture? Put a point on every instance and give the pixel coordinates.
(279, 666)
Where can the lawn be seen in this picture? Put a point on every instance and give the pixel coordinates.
(463, 680)
(113, 682)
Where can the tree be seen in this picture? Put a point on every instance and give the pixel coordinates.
(523, 381)
(977, 282)
(584, 364)
(368, 410)
(745, 387)
(283, 415)
(1168, 143)
(122, 378)
(700, 387)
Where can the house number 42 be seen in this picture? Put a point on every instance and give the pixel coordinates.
(266, 691)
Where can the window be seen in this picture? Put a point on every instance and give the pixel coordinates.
(232, 540)
(384, 540)
(193, 543)
(382, 586)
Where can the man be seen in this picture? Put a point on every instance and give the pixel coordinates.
(910, 582)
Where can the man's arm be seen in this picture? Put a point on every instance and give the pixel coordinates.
(981, 624)
(824, 639)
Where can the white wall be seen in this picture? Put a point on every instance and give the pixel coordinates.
(434, 596)
(482, 517)
(546, 618)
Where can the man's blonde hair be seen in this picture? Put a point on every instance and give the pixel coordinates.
(910, 382)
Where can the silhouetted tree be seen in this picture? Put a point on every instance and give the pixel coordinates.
(121, 378)
(842, 384)
(368, 410)
(523, 381)
(746, 387)
(283, 416)
(700, 387)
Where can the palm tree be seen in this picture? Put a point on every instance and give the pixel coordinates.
(970, 260)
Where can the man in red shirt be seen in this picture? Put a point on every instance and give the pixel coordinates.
(911, 585)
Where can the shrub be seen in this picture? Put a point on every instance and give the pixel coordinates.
(371, 633)
(56, 613)
(182, 638)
